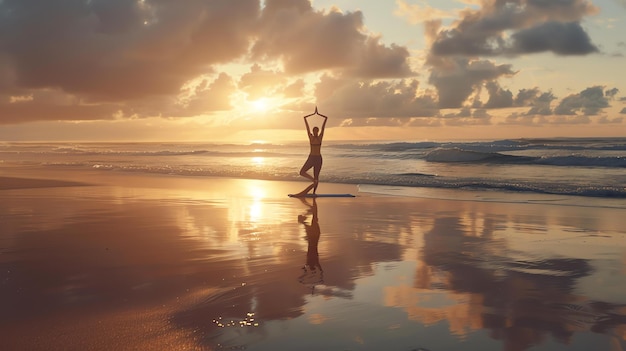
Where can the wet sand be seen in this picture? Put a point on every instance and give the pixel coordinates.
(107, 261)
(12, 183)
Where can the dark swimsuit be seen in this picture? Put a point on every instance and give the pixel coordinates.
(314, 161)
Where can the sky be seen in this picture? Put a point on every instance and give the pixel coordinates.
(249, 70)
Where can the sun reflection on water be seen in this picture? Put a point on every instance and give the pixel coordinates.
(258, 161)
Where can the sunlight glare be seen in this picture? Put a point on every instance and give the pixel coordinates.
(256, 207)
(260, 105)
(257, 192)
(258, 161)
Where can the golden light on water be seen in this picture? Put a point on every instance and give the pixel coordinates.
(255, 211)
(258, 161)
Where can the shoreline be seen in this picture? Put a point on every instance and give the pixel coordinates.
(13, 178)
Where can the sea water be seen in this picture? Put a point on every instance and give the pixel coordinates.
(521, 169)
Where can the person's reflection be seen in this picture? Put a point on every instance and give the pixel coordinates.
(313, 273)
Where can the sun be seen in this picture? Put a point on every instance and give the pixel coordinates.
(260, 105)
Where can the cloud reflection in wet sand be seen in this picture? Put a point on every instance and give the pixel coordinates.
(468, 277)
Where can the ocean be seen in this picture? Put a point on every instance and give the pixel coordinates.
(570, 170)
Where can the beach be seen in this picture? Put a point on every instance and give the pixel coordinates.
(103, 261)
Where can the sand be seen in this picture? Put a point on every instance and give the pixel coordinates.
(112, 261)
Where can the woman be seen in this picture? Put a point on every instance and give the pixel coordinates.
(315, 155)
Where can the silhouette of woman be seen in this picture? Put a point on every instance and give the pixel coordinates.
(313, 273)
(315, 155)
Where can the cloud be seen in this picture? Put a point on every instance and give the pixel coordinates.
(259, 82)
(560, 38)
(112, 50)
(384, 99)
(498, 97)
(589, 102)
(611, 92)
(540, 120)
(26, 112)
(307, 40)
(516, 27)
(295, 89)
(457, 79)
(132, 59)
(375, 122)
(123, 58)
(467, 116)
(204, 97)
(379, 61)
(209, 96)
(540, 102)
(516, 118)
(573, 109)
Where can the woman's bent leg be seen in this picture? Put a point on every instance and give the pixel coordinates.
(307, 165)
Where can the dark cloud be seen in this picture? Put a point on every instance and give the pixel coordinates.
(53, 105)
(540, 104)
(307, 40)
(573, 109)
(505, 28)
(467, 116)
(515, 27)
(589, 102)
(50, 105)
(206, 97)
(456, 80)
(385, 99)
(611, 92)
(498, 97)
(121, 49)
(560, 38)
